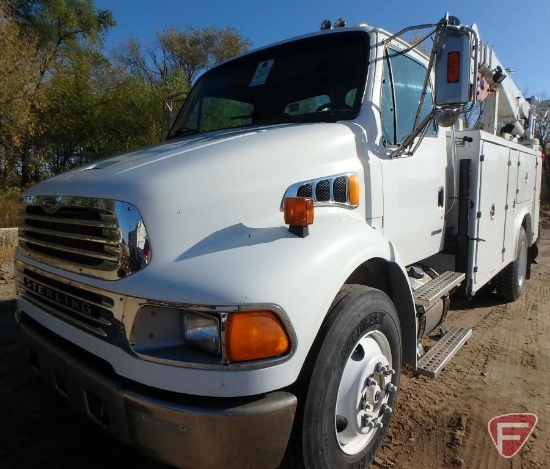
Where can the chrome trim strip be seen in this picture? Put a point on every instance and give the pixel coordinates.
(95, 239)
(111, 258)
(107, 267)
(68, 221)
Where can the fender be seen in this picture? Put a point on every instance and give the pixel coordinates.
(523, 218)
(262, 267)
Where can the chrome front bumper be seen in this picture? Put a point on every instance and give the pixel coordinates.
(184, 431)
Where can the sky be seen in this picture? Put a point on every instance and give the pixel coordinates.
(518, 30)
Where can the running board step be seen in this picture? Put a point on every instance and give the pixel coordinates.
(433, 361)
(429, 293)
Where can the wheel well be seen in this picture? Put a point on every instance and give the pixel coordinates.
(388, 277)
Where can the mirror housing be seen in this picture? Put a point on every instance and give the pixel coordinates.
(454, 68)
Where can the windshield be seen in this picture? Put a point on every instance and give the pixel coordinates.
(317, 79)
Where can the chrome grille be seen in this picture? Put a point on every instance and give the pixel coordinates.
(88, 308)
(95, 237)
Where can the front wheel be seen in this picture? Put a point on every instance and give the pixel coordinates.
(352, 389)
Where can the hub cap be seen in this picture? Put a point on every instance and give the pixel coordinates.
(364, 392)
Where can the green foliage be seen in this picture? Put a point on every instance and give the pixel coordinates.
(191, 51)
(64, 103)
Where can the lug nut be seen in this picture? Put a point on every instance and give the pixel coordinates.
(391, 388)
(371, 382)
(368, 423)
(381, 368)
(365, 405)
(389, 371)
(386, 409)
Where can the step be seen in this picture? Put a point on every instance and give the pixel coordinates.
(431, 292)
(433, 361)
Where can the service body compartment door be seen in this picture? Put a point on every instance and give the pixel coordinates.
(493, 186)
(526, 177)
(493, 193)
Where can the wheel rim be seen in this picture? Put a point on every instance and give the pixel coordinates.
(364, 392)
(522, 263)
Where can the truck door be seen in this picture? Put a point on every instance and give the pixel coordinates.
(414, 186)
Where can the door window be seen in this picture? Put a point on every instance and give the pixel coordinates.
(402, 85)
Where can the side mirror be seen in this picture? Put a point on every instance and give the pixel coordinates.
(454, 66)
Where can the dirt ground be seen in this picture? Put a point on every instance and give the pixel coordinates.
(442, 423)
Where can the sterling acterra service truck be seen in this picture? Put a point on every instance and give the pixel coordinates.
(244, 294)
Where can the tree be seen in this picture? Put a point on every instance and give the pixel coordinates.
(63, 103)
(18, 75)
(61, 31)
(542, 132)
(192, 51)
(542, 126)
(62, 28)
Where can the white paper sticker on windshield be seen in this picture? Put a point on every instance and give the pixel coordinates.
(262, 72)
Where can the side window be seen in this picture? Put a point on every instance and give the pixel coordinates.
(406, 78)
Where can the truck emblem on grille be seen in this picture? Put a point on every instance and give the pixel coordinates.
(50, 205)
(58, 297)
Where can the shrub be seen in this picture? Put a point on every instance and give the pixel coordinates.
(9, 206)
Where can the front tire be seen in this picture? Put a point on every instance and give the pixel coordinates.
(346, 408)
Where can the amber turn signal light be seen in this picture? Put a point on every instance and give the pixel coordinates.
(254, 335)
(354, 190)
(298, 211)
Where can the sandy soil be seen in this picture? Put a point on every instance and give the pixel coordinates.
(442, 423)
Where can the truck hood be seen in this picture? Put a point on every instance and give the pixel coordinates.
(192, 189)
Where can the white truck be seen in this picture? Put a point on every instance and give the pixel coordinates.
(244, 294)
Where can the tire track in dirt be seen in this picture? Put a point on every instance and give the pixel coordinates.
(438, 424)
(504, 368)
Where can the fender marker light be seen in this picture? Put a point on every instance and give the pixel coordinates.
(254, 335)
(298, 214)
(354, 190)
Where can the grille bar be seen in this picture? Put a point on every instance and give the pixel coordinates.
(96, 239)
(108, 257)
(68, 221)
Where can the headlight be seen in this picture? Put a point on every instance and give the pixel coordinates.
(201, 331)
(182, 337)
